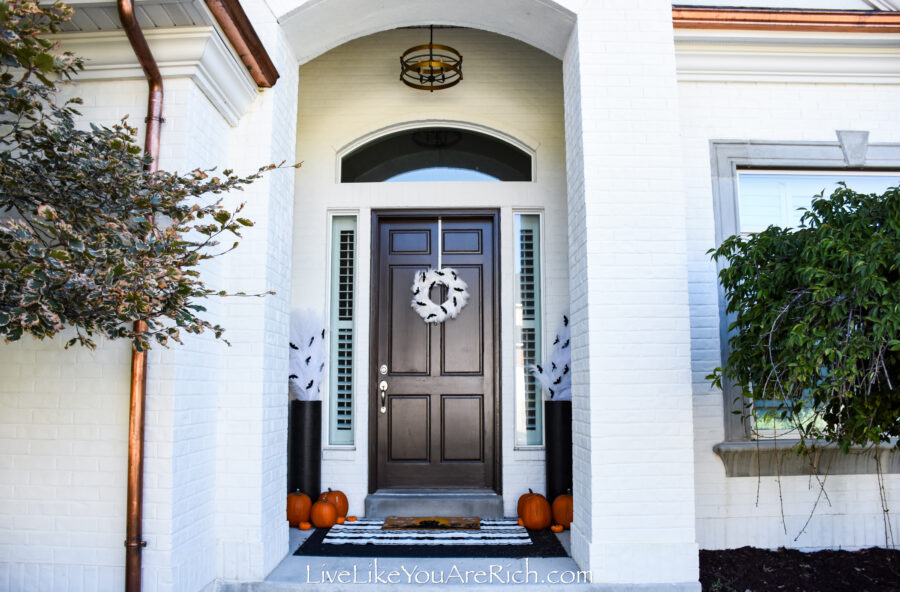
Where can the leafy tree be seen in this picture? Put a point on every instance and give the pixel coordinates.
(816, 330)
(88, 237)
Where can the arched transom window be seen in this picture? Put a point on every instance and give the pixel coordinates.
(436, 154)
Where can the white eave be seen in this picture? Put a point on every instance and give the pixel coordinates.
(786, 56)
(192, 48)
(101, 15)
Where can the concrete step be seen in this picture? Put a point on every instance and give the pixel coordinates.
(425, 502)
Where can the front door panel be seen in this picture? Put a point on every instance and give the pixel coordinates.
(437, 429)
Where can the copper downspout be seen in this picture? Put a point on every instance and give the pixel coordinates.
(134, 542)
(240, 33)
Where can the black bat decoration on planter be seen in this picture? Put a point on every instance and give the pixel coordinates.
(554, 375)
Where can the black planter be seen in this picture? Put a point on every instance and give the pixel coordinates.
(558, 447)
(305, 448)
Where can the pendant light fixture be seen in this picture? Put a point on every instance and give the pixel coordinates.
(431, 67)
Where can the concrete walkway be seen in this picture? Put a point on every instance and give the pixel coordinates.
(367, 574)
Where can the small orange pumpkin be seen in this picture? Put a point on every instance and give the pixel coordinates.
(338, 499)
(305, 526)
(351, 518)
(340, 520)
(556, 528)
(522, 499)
(563, 510)
(323, 514)
(521, 523)
(536, 514)
(298, 504)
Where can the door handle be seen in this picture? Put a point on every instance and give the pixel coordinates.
(383, 388)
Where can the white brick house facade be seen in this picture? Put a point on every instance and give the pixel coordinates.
(619, 109)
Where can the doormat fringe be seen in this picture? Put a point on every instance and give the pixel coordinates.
(431, 523)
(496, 538)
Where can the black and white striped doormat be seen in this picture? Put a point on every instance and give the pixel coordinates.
(365, 532)
(495, 538)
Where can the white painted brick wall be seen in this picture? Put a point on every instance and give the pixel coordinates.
(727, 512)
(523, 100)
(179, 487)
(70, 503)
(581, 372)
(63, 435)
(63, 438)
(634, 473)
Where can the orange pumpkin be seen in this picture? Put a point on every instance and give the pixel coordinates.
(351, 518)
(562, 510)
(521, 523)
(338, 499)
(323, 514)
(298, 504)
(305, 526)
(522, 499)
(536, 514)
(340, 520)
(556, 528)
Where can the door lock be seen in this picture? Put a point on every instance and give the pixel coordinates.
(383, 388)
(383, 369)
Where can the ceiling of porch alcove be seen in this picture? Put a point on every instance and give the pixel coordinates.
(316, 26)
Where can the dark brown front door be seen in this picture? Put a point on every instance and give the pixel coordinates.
(436, 424)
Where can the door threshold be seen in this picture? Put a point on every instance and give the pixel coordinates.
(434, 491)
(434, 502)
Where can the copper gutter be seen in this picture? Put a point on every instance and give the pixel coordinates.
(240, 33)
(134, 542)
(832, 21)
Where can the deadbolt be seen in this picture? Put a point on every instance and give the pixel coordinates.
(383, 369)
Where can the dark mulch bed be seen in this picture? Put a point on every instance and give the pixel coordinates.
(787, 570)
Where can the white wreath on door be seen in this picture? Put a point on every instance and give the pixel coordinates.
(457, 294)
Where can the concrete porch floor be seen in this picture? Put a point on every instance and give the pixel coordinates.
(311, 574)
(336, 574)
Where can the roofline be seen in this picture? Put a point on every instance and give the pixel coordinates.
(834, 21)
(240, 32)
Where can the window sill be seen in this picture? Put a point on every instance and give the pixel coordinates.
(529, 452)
(768, 458)
(334, 453)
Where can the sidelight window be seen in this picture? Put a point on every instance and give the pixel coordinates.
(528, 317)
(342, 330)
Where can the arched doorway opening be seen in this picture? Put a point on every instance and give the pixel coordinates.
(351, 143)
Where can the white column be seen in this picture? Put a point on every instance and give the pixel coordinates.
(251, 487)
(633, 448)
(184, 385)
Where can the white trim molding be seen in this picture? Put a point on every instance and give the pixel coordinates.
(199, 53)
(780, 56)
